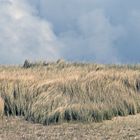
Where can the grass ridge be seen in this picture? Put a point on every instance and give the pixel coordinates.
(61, 92)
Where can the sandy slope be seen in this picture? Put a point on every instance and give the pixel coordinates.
(119, 128)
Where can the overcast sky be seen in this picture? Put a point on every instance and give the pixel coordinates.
(103, 31)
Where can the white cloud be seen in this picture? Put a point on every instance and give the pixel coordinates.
(24, 35)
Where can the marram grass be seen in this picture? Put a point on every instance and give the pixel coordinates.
(70, 92)
(1, 107)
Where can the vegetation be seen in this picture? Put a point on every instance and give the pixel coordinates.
(55, 92)
(1, 107)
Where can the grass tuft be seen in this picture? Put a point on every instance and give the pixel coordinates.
(60, 91)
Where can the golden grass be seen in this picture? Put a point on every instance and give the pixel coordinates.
(1, 107)
(70, 92)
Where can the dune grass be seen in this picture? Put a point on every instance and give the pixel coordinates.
(1, 107)
(59, 92)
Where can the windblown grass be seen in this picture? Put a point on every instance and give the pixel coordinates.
(59, 92)
(1, 107)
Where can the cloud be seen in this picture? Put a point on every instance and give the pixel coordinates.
(24, 35)
(84, 29)
(104, 31)
(94, 39)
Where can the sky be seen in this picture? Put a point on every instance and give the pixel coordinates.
(101, 31)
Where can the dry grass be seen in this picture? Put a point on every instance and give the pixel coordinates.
(1, 107)
(59, 92)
